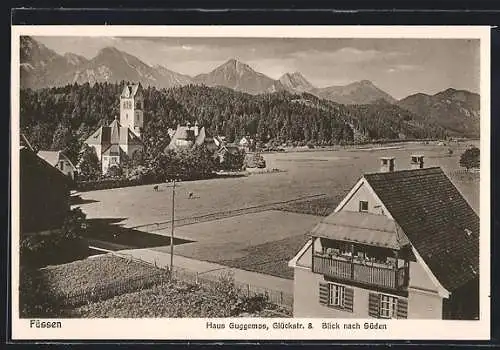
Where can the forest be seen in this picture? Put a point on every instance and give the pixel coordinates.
(62, 118)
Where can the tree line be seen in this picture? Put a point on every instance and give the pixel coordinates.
(61, 118)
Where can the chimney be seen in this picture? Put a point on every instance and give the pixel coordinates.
(417, 161)
(386, 164)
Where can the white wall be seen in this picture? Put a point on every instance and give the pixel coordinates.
(424, 305)
(421, 305)
(363, 194)
(306, 298)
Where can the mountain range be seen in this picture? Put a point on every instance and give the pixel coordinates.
(456, 110)
(42, 67)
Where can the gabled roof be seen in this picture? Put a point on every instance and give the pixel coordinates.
(200, 139)
(187, 133)
(228, 148)
(32, 164)
(130, 90)
(113, 150)
(437, 220)
(53, 157)
(365, 228)
(113, 134)
(26, 143)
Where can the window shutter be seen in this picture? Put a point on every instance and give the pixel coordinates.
(323, 293)
(402, 308)
(373, 304)
(348, 299)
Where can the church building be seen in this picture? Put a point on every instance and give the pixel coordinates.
(121, 138)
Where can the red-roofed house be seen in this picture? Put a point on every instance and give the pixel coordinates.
(401, 244)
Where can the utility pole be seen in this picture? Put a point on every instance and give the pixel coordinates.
(172, 233)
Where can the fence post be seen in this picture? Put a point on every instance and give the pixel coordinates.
(248, 290)
(196, 278)
(281, 297)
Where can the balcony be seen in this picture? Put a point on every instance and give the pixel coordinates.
(350, 270)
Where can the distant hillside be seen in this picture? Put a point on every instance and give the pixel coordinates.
(361, 92)
(58, 118)
(42, 67)
(239, 76)
(454, 110)
(295, 82)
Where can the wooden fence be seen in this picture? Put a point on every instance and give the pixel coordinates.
(100, 292)
(104, 291)
(276, 297)
(158, 226)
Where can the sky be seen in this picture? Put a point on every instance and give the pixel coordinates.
(398, 66)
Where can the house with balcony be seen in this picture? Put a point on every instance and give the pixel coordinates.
(401, 244)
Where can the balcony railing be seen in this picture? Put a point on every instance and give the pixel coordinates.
(394, 278)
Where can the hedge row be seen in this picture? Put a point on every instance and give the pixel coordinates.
(104, 184)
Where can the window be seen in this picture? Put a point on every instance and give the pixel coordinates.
(363, 206)
(336, 295)
(61, 165)
(388, 306)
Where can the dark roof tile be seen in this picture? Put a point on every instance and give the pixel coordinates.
(438, 221)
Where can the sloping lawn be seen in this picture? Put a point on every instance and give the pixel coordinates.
(82, 275)
(270, 258)
(43, 293)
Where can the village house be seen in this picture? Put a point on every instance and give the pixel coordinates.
(225, 150)
(246, 143)
(59, 161)
(121, 138)
(44, 193)
(401, 244)
(187, 136)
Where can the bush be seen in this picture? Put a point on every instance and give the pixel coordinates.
(233, 161)
(89, 167)
(35, 298)
(255, 160)
(114, 171)
(58, 247)
(470, 158)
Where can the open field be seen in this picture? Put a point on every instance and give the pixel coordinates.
(308, 173)
(263, 240)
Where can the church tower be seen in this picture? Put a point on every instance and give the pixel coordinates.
(132, 108)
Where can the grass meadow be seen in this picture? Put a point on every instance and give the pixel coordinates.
(265, 241)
